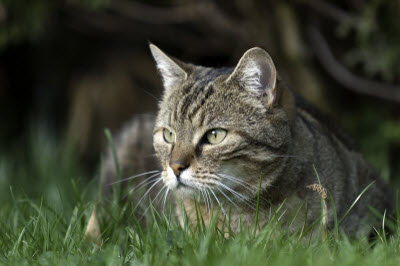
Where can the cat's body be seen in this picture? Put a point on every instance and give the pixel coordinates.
(220, 131)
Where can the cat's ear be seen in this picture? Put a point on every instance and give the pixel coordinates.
(256, 72)
(171, 72)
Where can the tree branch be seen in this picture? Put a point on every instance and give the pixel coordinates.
(342, 75)
(205, 11)
(330, 11)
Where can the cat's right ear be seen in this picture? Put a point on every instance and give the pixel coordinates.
(256, 72)
(172, 74)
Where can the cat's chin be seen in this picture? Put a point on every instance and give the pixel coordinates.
(180, 188)
(183, 190)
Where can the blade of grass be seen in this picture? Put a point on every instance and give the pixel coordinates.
(117, 188)
(335, 220)
(355, 201)
(257, 207)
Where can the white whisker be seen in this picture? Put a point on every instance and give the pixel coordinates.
(165, 199)
(132, 177)
(216, 198)
(202, 194)
(147, 192)
(208, 196)
(242, 183)
(151, 203)
(227, 197)
(208, 202)
(205, 199)
(150, 155)
(164, 188)
(238, 195)
(283, 156)
(237, 180)
(144, 183)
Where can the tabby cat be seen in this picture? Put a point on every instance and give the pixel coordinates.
(223, 133)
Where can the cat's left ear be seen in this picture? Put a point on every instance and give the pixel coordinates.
(171, 72)
(256, 72)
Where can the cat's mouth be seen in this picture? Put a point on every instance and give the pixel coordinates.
(181, 182)
(185, 184)
(181, 185)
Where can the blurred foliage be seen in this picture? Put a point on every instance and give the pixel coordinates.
(376, 138)
(91, 4)
(23, 20)
(66, 48)
(40, 166)
(376, 40)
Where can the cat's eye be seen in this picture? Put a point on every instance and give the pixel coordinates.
(168, 135)
(215, 136)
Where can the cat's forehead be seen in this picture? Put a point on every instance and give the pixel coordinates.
(205, 75)
(198, 101)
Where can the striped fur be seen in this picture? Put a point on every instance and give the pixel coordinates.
(280, 140)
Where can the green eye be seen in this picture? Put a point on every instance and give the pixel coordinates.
(216, 136)
(168, 135)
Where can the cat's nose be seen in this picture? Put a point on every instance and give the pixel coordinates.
(178, 166)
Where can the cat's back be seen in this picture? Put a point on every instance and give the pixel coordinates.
(341, 168)
(134, 150)
(315, 120)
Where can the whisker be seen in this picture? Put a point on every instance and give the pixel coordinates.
(151, 203)
(283, 156)
(208, 196)
(235, 179)
(205, 200)
(152, 95)
(144, 183)
(132, 177)
(147, 192)
(162, 195)
(202, 194)
(208, 202)
(149, 155)
(227, 197)
(216, 198)
(165, 199)
(164, 188)
(242, 183)
(238, 195)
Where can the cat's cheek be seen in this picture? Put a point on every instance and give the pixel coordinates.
(232, 169)
(158, 142)
(162, 149)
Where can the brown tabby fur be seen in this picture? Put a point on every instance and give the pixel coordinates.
(271, 134)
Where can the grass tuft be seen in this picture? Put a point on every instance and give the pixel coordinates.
(47, 226)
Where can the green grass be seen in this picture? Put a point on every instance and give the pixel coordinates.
(45, 207)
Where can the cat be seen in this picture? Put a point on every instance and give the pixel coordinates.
(227, 136)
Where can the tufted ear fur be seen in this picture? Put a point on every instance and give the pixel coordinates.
(256, 72)
(172, 74)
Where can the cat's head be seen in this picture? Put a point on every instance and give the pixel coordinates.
(221, 129)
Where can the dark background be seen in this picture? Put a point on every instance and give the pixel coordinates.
(75, 67)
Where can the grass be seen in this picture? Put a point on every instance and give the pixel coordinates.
(45, 207)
